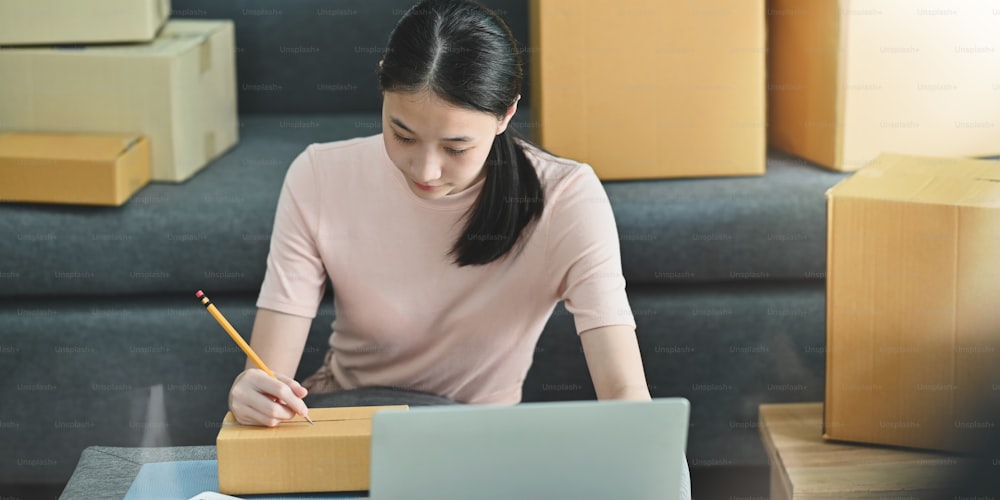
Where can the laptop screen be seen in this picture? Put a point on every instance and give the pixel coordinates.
(578, 449)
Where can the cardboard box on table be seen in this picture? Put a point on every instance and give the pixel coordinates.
(72, 168)
(849, 79)
(913, 317)
(296, 457)
(642, 89)
(179, 90)
(53, 22)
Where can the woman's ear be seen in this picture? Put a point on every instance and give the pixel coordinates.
(502, 126)
(380, 61)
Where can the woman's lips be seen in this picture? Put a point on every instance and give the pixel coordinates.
(425, 187)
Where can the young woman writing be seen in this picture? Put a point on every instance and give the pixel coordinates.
(448, 239)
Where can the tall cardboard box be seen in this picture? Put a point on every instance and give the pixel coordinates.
(52, 22)
(90, 169)
(849, 79)
(179, 90)
(296, 457)
(913, 303)
(651, 89)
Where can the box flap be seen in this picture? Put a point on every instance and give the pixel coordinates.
(325, 415)
(179, 35)
(83, 147)
(959, 168)
(346, 421)
(918, 179)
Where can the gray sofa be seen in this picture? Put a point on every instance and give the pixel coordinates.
(102, 341)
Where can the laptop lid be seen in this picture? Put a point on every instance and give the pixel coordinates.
(574, 449)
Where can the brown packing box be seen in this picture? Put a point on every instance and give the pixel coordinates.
(179, 90)
(51, 22)
(913, 303)
(72, 168)
(848, 80)
(295, 457)
(642, 89)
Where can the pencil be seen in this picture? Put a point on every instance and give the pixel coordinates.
(237, 338)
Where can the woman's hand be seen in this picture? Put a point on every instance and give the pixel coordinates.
(258, 399)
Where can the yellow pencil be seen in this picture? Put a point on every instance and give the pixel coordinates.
(237, 338)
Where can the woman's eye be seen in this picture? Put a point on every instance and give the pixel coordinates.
(410, 140)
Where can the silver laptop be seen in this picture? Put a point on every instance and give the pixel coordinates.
(575, 450)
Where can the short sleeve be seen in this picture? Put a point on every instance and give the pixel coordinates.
(295, 278)
(583, 247)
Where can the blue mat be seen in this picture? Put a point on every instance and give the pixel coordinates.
(183, 480)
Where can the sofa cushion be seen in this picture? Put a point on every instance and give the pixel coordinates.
(771, 227)
(213, 231)
(727, 348)
(119, 371)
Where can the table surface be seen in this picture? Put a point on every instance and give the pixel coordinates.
(108, 471)
(805, 466)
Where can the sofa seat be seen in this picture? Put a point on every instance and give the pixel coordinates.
(213, 230)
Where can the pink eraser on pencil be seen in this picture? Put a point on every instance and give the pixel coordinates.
(199, 294)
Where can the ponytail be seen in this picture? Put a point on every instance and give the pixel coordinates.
(510, 199)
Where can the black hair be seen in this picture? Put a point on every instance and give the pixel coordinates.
(466, 55)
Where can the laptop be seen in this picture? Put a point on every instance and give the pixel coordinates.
(572, 449)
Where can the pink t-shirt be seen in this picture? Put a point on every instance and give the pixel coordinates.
(406, 316)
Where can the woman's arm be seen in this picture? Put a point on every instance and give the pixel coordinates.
(615, 365)
(257, 399)
(279, 340)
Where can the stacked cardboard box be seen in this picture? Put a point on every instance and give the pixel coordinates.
(47, 22)
(179, 89)
(848, 80)
(642, 89)
(913, 327)
(89, 169)
(176, 86)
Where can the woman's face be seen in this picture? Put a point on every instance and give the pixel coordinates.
(439, 147)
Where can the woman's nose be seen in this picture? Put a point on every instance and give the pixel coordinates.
(426, 169)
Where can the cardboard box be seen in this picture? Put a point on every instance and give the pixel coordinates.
(179, 90)
(80, 169)
(52, 22)
(848, 80)
(913, 289)
(642, 89)
(295, 457)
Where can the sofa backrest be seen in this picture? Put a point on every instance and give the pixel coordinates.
(318, 56)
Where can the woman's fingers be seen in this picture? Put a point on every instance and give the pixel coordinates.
(266, 411)
(292, 394)
(258, 399)
(296, 387)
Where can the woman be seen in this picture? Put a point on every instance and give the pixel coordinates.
(448, 239)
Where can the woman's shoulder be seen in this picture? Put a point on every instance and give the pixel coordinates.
(558, 173)
(546, 160)
(325, 162)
